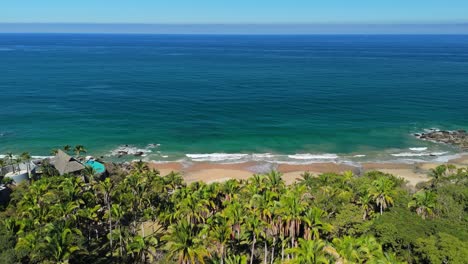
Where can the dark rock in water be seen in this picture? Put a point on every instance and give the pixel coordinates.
(456, 137)
(139, 154)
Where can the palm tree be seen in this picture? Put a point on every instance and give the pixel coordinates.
(118, 214)
(79, 149)
(60, 242)
(314, 223)
(2, 164)
(220, 233)
(87, 217)
(382, 193)
(142, 248)
(236, 259)
(139, 167)
(254, 226)
(54, 152)
(17, 162)
(89, 172)
(235, 213)
(309, 252)
(184, 244)
(439, 173)
(173, 181)
(274, 181)
(10, 158)
(424, 203)
(231, 189)
(367, 208)
(307, 179)
(67, 148)
(347, 249)
(25, 156)
(292, 208)
(105, 188)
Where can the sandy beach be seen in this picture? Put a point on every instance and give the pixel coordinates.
(215, 172)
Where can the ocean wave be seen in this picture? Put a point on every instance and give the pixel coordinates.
(41, 157)
(263, 155)
(359, 156)
(412, 154)
(216, 157)
(313, 156)
(418, 149)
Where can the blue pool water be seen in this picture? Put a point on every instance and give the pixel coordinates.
(225, 97)
(97, 166)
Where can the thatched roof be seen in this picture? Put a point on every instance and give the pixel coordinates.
(64, 163)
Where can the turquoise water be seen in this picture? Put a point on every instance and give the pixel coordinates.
(284, 95)
(97, 166)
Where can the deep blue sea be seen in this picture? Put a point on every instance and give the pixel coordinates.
(249, 97)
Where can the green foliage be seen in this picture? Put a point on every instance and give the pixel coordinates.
(7, 181)
(140, 216)
(441, 248)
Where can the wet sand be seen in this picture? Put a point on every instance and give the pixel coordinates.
(215, 172)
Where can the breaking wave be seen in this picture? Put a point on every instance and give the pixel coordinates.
(418, 149)
(411, 154)
(213, 157)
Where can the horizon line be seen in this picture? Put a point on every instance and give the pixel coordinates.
(237, 28)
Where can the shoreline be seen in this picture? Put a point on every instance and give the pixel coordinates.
(218, 172)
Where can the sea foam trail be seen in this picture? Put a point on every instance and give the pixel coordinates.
(216, 157)
(313, 156)
(411, 154)
(418, 149)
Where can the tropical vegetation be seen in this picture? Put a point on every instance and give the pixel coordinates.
(139, 216)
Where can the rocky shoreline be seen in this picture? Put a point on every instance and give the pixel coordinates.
(458, 138)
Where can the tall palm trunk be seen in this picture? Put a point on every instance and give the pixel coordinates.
(282, 250)
(265, 258)
(12, 165)
(222, 253)
(253, 249)
(273, 250)
(110, 222)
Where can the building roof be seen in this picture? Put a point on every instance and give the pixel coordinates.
(64, 163)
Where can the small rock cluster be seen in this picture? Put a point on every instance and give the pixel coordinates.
(457, 138)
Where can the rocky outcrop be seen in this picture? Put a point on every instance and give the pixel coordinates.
(457, 138)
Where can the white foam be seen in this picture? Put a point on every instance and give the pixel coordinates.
(263, 155)
(216, 157)
(41, 157)
(313, 156)
(359, 156)
(418, 149)
(411, 154)
(432, 129)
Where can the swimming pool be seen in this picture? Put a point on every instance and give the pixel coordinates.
(97, 166)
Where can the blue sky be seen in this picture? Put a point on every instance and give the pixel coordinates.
(234, 11)
(231, 16)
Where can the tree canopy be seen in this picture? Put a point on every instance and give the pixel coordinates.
(143, 217)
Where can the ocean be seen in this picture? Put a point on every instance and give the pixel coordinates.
(231, 97)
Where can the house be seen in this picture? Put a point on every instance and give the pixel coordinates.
(65, 164)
